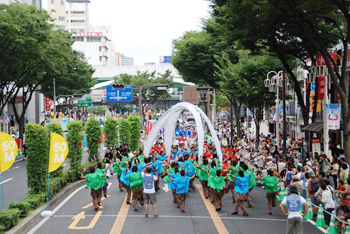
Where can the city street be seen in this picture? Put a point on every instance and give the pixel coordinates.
(78, 216)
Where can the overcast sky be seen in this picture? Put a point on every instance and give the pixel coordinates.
(144, 29)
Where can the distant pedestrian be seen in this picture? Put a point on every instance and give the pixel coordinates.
(294, 215)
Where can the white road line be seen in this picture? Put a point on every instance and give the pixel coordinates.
(13, 168)
(34, 229)
(314, 224)
(6, 181)
(109, 185)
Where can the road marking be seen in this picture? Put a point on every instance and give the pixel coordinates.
(184, 217)
(13, 168)
(120, 220)
(42, 222)
(6, 181)
(220, 226)
(81, 216)
(90, 204)
(314, 224)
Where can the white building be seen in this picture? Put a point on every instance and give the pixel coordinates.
(124, 61)
(57, 10)
(77, 15)
(97, 46)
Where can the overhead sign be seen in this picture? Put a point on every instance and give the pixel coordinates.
(58, 151)
(165, 59)
(86, 102)
(119, 95)
(8, 151)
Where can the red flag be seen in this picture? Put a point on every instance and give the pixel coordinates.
(149, 127)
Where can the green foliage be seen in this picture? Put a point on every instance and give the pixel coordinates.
(148, 93)
(9, 217)
(24, 207)
(124, 131)
(93, 137)
(135, 132)
(35, 200)
(98, 110)
(74, 139)
(37, 147)
(55, 128)
(111, 132)
(55, 186)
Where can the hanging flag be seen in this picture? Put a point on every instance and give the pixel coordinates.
(333, 112)
(149, 127)
(8, 151)
(58, 151)
(279, 113)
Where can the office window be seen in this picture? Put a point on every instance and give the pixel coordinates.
(61, 18)
(62, 2)
(52, 1)
(93, 39)
(79, 39)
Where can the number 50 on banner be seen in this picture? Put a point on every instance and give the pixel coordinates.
(8, 151)
(58, 151)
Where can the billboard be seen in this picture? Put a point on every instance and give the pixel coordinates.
(165, 59)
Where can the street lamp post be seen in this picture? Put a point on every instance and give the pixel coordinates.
(140, 88)
(274, 84)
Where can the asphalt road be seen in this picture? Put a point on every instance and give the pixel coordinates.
(78, 216)
(15, 179)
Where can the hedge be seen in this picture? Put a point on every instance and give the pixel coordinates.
(124, 131)
(74, 139)
(37, 147)
(110, 130)
(135, 132)
(24, 207)
(35, 200)
(93, 137)
(9, 217)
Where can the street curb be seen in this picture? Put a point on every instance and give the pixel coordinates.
(34, 217)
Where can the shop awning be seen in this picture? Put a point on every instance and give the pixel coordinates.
(314, 127)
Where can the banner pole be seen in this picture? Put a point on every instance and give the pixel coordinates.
(48, 187)
(2, 193)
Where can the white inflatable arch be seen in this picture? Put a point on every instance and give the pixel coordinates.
(169, 120)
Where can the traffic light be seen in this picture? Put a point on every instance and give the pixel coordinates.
(118, 86)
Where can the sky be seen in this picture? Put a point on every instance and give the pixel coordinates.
(145, 29)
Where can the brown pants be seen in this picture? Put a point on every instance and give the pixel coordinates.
(192, 184)
(121, 185)
(95, 194)
(181, 198)
(136, 194)
(240, 203)
(271, 201)
(249, 199)
(205, 188)
(231, 186)
(173, 191)
(217, 198)
(128, 193)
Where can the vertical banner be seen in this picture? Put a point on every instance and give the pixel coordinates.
(58, 151)
(8, 151)
(321, 88)
(333, 112)
(149, 127)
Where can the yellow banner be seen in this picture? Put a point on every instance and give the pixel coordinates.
(8, 151)
(58, 151)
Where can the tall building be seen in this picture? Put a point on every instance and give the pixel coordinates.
(29, 2)
(57, 10)
(96, 45)
(122, 60)
(77, 17)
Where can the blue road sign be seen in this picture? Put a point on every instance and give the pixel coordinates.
(119, 95)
